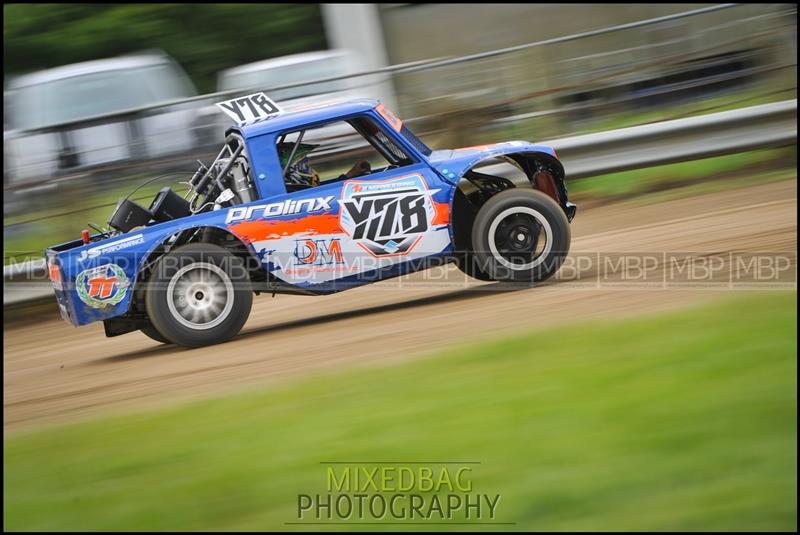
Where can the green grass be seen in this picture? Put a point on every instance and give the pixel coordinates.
(621, 116)
(684, 421)
(731, 101)
(727, 170)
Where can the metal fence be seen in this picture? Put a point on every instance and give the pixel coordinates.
(465, 98)
(404, 68)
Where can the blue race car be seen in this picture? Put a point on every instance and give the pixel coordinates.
(273, 214)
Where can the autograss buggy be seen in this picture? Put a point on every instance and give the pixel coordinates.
(184, 270)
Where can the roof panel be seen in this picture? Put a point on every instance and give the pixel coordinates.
(300, 117)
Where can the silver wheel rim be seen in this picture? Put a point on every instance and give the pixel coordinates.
(200, 296)
(540, 219)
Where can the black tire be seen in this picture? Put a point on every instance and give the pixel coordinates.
(530, 236)
(153, 334)
(198, 295)
(468, 264)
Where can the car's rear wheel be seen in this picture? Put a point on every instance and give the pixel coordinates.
(520, 235)
(198, 295)
(153, 334)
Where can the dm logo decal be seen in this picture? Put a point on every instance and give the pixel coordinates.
(387, 217)
(318, 252)
(102, 286)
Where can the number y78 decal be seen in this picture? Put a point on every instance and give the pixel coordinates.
(387, 217)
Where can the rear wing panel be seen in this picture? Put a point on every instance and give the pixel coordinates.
(94, 281)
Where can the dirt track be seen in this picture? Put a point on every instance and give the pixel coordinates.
(54, 372)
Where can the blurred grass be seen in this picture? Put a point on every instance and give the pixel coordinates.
(772, 89)
(678, 421)
(726, 172)
(30, 239)
(107, 197)
(761, 94)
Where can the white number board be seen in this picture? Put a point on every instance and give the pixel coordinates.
(249, 109)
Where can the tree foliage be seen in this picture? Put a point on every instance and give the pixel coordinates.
(203, 38)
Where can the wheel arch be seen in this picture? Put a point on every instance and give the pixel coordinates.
(207, 233)
(536, 166)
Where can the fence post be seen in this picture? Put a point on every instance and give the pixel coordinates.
(358, 27)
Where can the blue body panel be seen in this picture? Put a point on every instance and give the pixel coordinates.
(99, 278)
(453, 163)
(130, 259)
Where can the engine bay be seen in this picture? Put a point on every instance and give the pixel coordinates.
(227, 181)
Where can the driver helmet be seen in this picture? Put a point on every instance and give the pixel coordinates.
(300, 170)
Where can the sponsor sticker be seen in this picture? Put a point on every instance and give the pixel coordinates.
(102, 286)
(323, 252)
(94, 252)
(287, 207)
(387, 217)
(390, 117)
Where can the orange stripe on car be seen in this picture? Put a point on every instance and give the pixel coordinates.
(264, 229)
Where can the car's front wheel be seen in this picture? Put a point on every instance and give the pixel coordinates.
(198, 295)
(520, 235)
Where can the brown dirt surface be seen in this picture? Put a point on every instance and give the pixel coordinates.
(54, 372)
